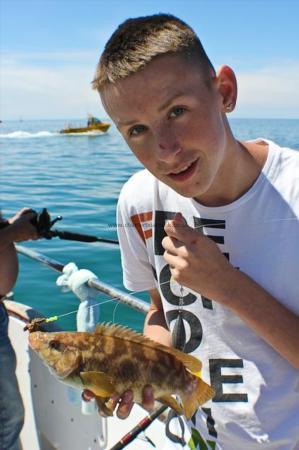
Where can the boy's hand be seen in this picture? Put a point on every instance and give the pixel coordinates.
(195, 260)
(124, 403)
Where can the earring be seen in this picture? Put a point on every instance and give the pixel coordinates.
(229, 107)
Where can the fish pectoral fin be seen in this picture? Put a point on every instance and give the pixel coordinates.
(104, 405)
(172, 403)
(98, 382)
(198, 397)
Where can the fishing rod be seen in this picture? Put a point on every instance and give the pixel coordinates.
(44, 224)
(139, 428)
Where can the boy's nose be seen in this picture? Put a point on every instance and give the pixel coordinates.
(168, 146)
(166, 152)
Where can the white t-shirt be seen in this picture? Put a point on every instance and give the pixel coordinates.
(257, 391)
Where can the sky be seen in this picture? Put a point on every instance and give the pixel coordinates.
(49, 50)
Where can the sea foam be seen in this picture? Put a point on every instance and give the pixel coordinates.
(25, 134)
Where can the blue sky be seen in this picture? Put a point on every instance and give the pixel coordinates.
(49, 50)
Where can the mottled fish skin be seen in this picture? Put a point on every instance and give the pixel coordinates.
(126, 358)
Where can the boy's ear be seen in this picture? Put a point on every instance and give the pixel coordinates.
(227, 87)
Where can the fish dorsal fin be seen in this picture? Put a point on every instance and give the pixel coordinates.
(127, 334)
(118, 331)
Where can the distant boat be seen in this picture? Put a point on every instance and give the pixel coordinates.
(93, 124)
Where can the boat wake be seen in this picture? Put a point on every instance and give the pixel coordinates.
(41, 134)
(25, 134)
(86, 133)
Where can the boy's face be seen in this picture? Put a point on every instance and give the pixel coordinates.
(174, 124)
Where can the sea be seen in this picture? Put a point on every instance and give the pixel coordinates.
(79, 177)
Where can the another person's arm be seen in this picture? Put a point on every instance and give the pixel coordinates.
(19, 228)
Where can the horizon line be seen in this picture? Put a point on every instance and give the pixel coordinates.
(21, 119)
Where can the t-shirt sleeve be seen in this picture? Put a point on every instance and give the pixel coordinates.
(137, 270)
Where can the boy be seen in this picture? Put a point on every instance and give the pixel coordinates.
(214, 235)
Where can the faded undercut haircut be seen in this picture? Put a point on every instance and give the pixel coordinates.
(136, 42)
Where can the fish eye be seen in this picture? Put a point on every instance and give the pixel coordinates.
(54, 345)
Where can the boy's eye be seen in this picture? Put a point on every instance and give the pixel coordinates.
(136, 130)
(177, 111)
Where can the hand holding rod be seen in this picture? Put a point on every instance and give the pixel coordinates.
(43, 224)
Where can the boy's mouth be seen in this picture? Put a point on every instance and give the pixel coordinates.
(184, 172)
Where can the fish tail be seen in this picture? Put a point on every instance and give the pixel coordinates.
(200, 395)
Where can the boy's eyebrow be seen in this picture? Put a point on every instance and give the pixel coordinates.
(170, 100)
(129, 122)
(161, 108)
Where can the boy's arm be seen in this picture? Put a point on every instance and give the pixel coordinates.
(155, 326)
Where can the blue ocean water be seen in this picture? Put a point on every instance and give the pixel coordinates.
(79, 177)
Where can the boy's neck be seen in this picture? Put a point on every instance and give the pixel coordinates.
(241, 169)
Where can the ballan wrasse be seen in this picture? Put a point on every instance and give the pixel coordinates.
(114, 359)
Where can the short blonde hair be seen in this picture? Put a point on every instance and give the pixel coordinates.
(136, 42)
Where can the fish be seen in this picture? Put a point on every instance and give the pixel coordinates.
(113, 359)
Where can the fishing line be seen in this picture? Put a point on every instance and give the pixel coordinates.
(114, 311)
(91, 306)
(54, 318)
(213, 224)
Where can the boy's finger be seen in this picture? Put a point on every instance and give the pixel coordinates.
(125, 405)
(148, 401)
(87, 395)
(178, 228)
(171, 260)
(171, 244)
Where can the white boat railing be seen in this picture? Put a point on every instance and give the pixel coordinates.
(116, 294)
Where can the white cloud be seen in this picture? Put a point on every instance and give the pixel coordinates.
(57, 85)
(269, 92)
(47, 90)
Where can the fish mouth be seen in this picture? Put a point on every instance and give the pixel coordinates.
(33, 342)
(184, 172)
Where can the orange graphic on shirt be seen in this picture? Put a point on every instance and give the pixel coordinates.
(141, 223)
